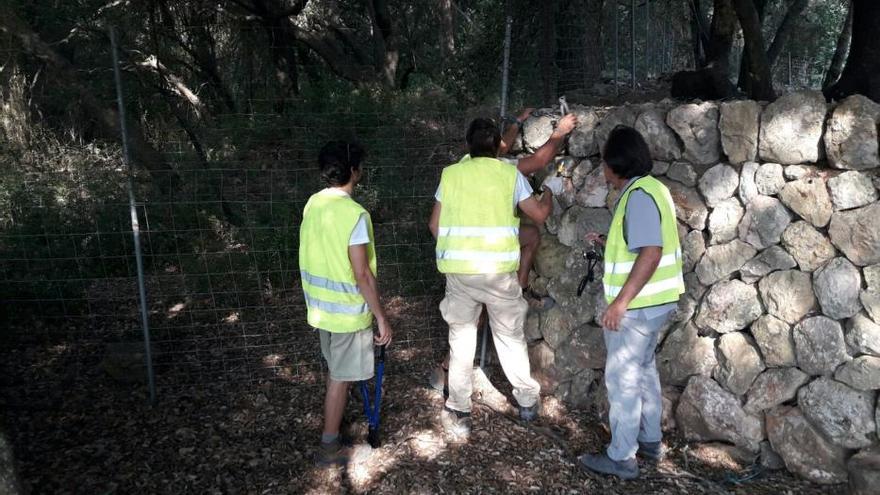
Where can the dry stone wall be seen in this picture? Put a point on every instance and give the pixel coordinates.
(775, 346)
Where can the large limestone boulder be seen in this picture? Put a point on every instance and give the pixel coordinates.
(851, 190)
(739, 130)
(808, 247)
(689, 206)
(556, 326)
(720, 261)
(855, 232)
(748, 188)
(537, 130)
(718, 184)
(623, 115)
(872, 276)
(862, 373)
(809, 199)
(851, 135)
(791, 128)
(724, 221)
(797, 172)
(584, 349)
(697, 127)
(729, 306)
(739, 362)
(870, 300)
(774, 339)
(774, 387)
(769, 180)
(864, 471)
(804, 450)
(844, 415)
(693, 246)
(772, 259)
(764, 222)
(582, 140)
(683, 172)
(582, 389)
(551, 256)
(707, 412)
(819, 345)
(837, 285)
(862, 335)
(684, 354)
(788, 295)
(660, 138)
(594, 191)
(577, 221)
(563, 289)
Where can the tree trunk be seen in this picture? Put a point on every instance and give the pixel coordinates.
(547, 51)
(699, 33)
(759, 83)
(862, 71)
(447, 29)
(785, 27)
(712, 81)
(843, 42)
(742, 80)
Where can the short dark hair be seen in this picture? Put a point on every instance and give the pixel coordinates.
(627, 153)
(483, 138)
(337, 159)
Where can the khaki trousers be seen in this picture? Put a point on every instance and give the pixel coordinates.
(502, 295)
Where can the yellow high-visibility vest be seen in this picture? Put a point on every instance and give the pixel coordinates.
(667, 283)
(478, 231)
(332, 296)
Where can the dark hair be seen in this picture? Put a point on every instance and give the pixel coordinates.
(337, 159)
(483, 138)
(627, 153)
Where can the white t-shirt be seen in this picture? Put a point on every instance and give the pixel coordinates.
(522, 189)
(360, 234)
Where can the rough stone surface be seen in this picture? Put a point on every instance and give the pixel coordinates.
(532, 326)
(707, 412)
(693, 246)
(697, 126)
(862, 373)
(670, 396)
(855, 233)
(724, 220)
(808, 247)
(809, 199)
(837, 285)
(683, 172)
(582, 141)
(739, 130)
(764, 222)
(584, 349)
(862, 335)
(773, 387)
(787, 295)
(623, 115)
(689, 206)
(748, 189)
(769, 179)
(791, 128)
(769, 458)
(660, 138)
(9, 483)
(659, 168)
(739, 362)
(851, 190)
(594, 190)
(556, 326)
(767, 261)
(718, 184)
(872, 276)
(870, 300)
(864, 472)
(542, 359)
(819, 345)
(577, 221)
(729, 306)
(685, 354)
(551, 255)
(795, 172)
(851, 134)
(536, 131)
(720, 261)
(775, 341)
(804, 450)
(844, 415)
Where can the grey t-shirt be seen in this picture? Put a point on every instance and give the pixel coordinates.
(641, 228)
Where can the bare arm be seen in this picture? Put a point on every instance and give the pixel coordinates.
(512, 131)
(369, 288)
(542, 156)
(434, 221)
(537, 210)
(643, 269)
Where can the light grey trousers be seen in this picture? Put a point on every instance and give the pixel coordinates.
(634, 395)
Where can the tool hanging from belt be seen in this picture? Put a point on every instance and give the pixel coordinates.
(371, 411)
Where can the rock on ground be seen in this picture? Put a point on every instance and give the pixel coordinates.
(739, 125)
(804, 450)
(729, 306)
(697, 126)
(764, 222)
(774, 339)
(707, 412)
(808, 247)
(819, 345)
(739, 362)
(851, 134)
(791, 128)
(787, 294)
(844, 415)
(855, 233)
(773, 387)
(837, 285)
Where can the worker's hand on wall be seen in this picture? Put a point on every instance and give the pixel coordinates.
(553, 183)
(565, 125)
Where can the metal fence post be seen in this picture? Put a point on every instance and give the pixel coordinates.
(505, 69)
(135, 225)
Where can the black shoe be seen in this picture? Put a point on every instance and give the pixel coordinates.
(601, 463)
(331, 454)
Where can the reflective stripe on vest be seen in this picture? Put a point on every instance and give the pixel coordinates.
(478, 231)
(667, 282)
(332, 296)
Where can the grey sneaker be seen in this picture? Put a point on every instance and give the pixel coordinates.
(331, 454)
(601, 463)
(652, 451)
(530, 413)
(457, 424)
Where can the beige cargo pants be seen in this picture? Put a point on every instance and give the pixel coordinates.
(502, 295)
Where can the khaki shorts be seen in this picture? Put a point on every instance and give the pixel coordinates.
(349, 355)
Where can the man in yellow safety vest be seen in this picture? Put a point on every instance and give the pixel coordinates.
(337, 262)
(642, 283)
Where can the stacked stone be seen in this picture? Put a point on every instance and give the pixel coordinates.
(775, 346)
